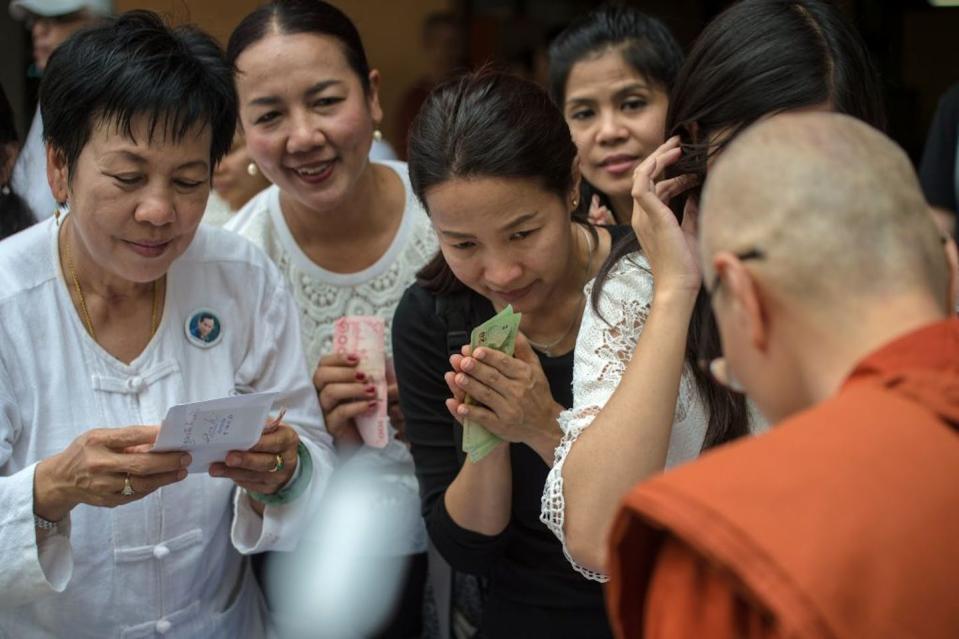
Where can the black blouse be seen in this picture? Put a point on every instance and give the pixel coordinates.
(533, 590)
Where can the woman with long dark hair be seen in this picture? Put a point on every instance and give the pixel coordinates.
(491, 158)
(643, 341)
(610, 73)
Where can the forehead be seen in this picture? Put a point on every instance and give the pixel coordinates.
(154, 142)
(478, 205)
(281, 59)
(604, 72)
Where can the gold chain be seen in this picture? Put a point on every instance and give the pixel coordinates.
(154, 318)
(545, 348)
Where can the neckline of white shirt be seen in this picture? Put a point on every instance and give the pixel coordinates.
(380, 266)
(63, 292)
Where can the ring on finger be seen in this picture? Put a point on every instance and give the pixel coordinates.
(277, 464)
(127, 487)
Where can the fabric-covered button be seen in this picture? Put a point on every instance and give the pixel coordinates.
(163, 626)
(160, 551)
(135, 384)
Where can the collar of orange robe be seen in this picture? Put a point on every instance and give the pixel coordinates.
(922, 365)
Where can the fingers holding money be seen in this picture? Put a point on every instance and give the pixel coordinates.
(344, 393)
(512, 396)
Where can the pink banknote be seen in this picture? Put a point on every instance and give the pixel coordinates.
(363, 336)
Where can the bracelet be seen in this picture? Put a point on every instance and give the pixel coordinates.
(294, 490)
(45, 524)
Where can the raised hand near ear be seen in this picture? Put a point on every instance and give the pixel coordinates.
(670, 248)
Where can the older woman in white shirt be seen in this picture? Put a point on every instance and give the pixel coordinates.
(99, 537)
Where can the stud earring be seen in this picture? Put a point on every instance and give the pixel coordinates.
(56, 215)
(251, 169)
(377, 135)
(5, 189)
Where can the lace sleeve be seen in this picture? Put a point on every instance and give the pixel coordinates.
(605, 344)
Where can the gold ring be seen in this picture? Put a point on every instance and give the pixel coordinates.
(278, 465)
(127, 487)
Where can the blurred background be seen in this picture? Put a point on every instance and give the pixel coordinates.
(913, 42)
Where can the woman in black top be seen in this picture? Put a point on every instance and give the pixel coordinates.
(492, 160)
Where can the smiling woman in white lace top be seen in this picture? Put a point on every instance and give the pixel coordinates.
(347, 233)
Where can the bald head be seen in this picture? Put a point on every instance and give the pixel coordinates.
(834, 206)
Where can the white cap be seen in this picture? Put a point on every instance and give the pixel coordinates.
(20, 8)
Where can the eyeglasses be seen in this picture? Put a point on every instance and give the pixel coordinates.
(712, 362)
(32, 19)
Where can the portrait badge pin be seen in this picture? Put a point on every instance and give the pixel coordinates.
(203, 328)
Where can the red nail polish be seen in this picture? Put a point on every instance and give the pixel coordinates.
(360, 377)
(352, 359)
(372, 404)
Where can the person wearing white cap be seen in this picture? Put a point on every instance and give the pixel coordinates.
(50, 23)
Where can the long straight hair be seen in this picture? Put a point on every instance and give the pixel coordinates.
(757, 58)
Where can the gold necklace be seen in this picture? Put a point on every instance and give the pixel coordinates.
(154, 322)
(547, 348)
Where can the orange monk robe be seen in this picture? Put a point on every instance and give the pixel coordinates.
(843, 521)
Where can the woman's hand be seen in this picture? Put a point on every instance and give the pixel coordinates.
(345, 393)
(266, 467)
(94, 469)
(512, 394)
(393, 410)
(599, 215)
(670, 248)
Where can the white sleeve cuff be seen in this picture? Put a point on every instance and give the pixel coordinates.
(30, 570)
(282, 525)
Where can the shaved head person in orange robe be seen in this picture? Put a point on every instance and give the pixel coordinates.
(833, 297)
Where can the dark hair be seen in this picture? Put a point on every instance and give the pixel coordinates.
(757, 58)
(645, 43)
(488, 124)
(135, 65)
(15, 215)
(301, 16)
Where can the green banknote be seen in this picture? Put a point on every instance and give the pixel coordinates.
(499, 334)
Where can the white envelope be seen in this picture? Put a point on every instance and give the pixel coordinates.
(209, 430)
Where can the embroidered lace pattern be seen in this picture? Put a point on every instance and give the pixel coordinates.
(605, 344)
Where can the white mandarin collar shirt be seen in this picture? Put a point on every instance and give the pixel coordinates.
(171, 563)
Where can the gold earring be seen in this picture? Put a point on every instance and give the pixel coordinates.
(576, 203)
(377, 135)
(56, 216)
(251, 169)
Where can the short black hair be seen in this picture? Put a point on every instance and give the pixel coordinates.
(135, 65)
(646, 43)
(302, 16)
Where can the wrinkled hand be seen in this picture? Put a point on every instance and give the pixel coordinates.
(345, 393)
(516, 402)
(93, 468)
(254, 469)
(670, 248)
(598, 214)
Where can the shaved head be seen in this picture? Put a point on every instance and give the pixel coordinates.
(835, 207)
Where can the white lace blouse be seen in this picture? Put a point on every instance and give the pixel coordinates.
(323, 296)
(604, 347)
